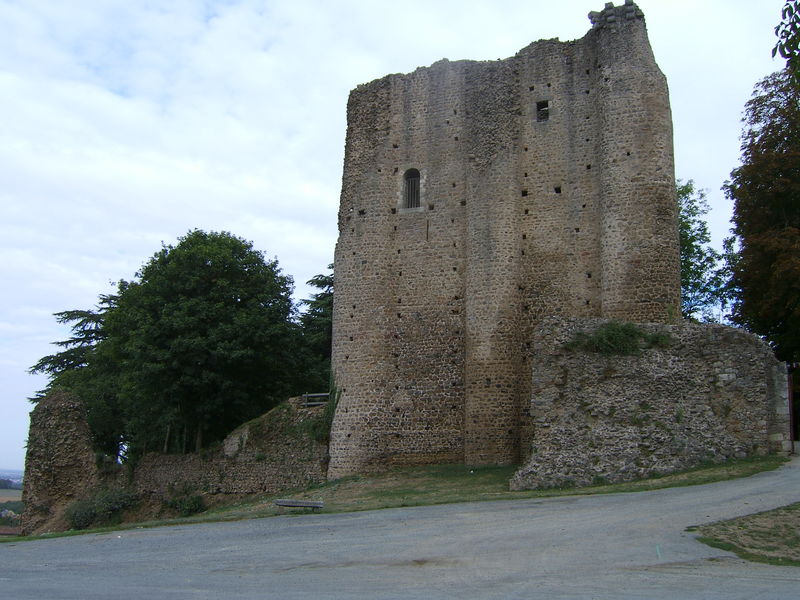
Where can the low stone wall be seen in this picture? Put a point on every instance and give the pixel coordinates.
(271, 453)
(266, 455)
(713, 393)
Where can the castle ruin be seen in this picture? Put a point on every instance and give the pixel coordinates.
(490, 213)
(478, 198)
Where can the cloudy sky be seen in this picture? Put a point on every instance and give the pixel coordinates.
(125, 124)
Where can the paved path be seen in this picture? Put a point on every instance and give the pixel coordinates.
(604, 547)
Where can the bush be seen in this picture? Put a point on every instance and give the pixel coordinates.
(81, 514)
(104, 508)
(187, 504)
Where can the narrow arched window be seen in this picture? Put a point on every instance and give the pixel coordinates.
(411, 189)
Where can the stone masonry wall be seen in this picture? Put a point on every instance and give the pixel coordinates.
(262, 456)
(271, 453)
(60, 464)
(546, 187)
(712, 394)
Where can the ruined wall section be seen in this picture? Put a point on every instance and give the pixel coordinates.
(274, 452)
(60, 464)
(712, 394)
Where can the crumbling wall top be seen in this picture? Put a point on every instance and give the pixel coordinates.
(612, 15)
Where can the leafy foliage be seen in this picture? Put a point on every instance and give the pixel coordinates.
(104, 508)
(17, 506)
(317, 326)
(788, 32)
(204, 341)
(765, 190)
(703, 282)
(204, 338)
(85, 368)
(618, 338)
(187, 504)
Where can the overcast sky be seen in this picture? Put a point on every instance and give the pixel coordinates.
(128, 123)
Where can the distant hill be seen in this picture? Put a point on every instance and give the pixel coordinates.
(10, 479)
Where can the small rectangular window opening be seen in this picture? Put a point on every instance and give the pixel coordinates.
(411, 191)
(543, 110)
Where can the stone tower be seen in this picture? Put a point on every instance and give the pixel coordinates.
(477, 198)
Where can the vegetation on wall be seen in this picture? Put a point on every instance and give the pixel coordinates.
(617, 338)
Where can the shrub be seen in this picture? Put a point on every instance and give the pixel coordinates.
(318, 428)
(103, 508)
(187, 504)
(81, 514)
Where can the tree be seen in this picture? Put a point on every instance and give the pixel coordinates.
(702, 280)
(317, 326)
(203, 339)
(788, 32)
(765, 191)
(85, 370)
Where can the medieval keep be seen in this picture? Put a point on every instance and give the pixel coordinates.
(477, 199)
(491, 213)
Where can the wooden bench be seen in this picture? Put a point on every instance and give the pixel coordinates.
(312, 504)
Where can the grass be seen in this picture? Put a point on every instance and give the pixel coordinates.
(771, 537)
(439, 484)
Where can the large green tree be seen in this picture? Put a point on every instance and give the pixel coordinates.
(765, 191)
(202, 339)
(702, 278)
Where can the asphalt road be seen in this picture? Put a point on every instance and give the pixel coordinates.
(604, 547)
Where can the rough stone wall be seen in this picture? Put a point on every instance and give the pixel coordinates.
(712, 394)
(60, 464)
(262, 456)
(271, 453)
(546, 187)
